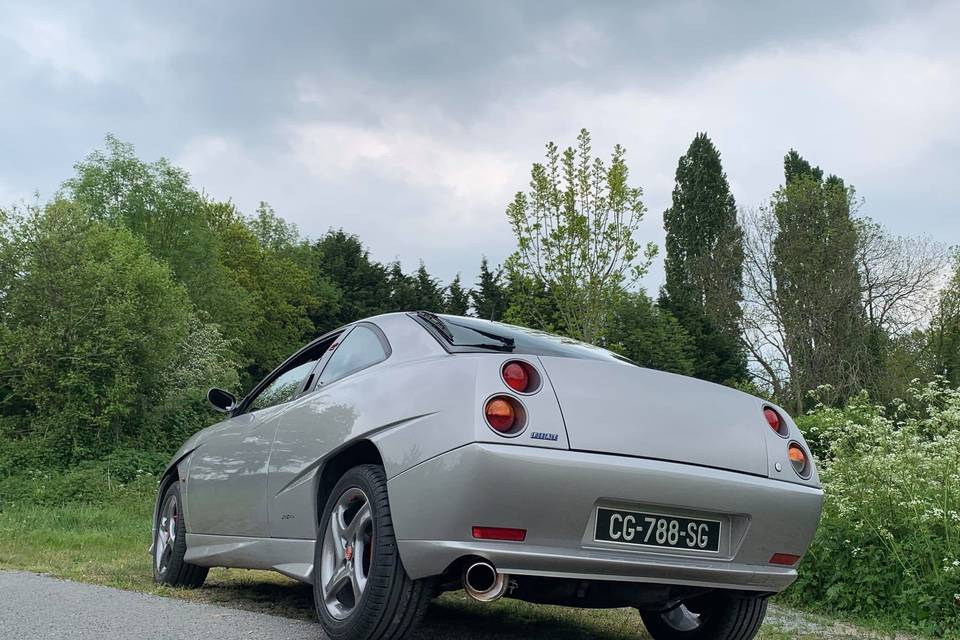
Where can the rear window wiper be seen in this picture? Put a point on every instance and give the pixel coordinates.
(505, 343)
(502, 343)
(434, 321)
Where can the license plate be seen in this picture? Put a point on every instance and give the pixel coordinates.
(657, 530)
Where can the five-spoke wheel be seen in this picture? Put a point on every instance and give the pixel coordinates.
(166, 532)
(360, 587)
(346, 553)
(170, 544)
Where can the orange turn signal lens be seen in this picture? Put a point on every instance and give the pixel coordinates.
(500, 415)
(798, 458)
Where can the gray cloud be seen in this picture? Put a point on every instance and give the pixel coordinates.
(412, 124)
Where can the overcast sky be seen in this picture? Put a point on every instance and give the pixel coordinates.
(412, 124)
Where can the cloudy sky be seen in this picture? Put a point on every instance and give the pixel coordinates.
(411, 124)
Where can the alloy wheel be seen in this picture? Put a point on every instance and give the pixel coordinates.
(346, 553)
(166, 533)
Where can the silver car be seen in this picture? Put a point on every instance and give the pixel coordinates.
(413, 453)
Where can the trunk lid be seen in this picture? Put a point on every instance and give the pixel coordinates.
(618, 408)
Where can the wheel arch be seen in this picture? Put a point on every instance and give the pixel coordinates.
(354, 454)
(170, 475)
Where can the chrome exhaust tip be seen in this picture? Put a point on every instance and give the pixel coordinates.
(482, 582)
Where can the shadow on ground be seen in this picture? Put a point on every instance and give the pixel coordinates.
(453, 615)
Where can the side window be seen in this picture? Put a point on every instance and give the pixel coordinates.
(285, 386)
(360, 349)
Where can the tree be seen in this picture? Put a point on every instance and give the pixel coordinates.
(364, 288)
(899, 278)
(704, 263)
(92, 324)
(428, 292)
(279, 294)
(650, 336)
(574, 233)
(819, 286)
(273, 232)
(804, 317)
(403, 291)
(490, 298)
(457, 299)
(157, 203)
(943, 335)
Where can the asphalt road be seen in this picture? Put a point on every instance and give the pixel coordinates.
(36, 607)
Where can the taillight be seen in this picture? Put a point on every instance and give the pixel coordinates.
(799, 460)
(516, 376)
(520, 376)
(775, 421)
(505, 415)
(500, 415)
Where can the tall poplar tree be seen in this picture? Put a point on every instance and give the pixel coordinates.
(704, 263)
(818, 283)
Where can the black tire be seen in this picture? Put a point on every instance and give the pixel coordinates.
(391, 604)
(168, 565)
(719, 616)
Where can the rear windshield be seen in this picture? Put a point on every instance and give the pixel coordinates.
(470, 334)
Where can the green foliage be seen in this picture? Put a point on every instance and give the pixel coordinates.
(156, 202)
(943, 337)
(818, 283)
(574, 233)
(650, 336)
(490, 297)
(272, 232)
(887, 545)
(704, 263)
(364, 289)
(91, 322)
(279, 291)
(456, 298)
(429, 293)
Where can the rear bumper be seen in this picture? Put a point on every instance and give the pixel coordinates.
(553, 494)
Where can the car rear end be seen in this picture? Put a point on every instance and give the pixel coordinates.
(594, 482)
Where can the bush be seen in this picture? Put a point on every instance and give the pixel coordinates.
(91, 322)
(889, 539)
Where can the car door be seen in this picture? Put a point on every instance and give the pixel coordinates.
(317, 424)
(227, 478)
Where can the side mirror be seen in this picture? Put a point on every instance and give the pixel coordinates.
(220, 400)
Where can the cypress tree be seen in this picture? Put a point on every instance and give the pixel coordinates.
(704, 263)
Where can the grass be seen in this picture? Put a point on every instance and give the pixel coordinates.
(106, 543)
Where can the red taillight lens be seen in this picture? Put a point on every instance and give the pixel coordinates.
(775, 421)
(798, 458)
(516, 376)
(499, 533)
(786, 559)
(500, 415)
